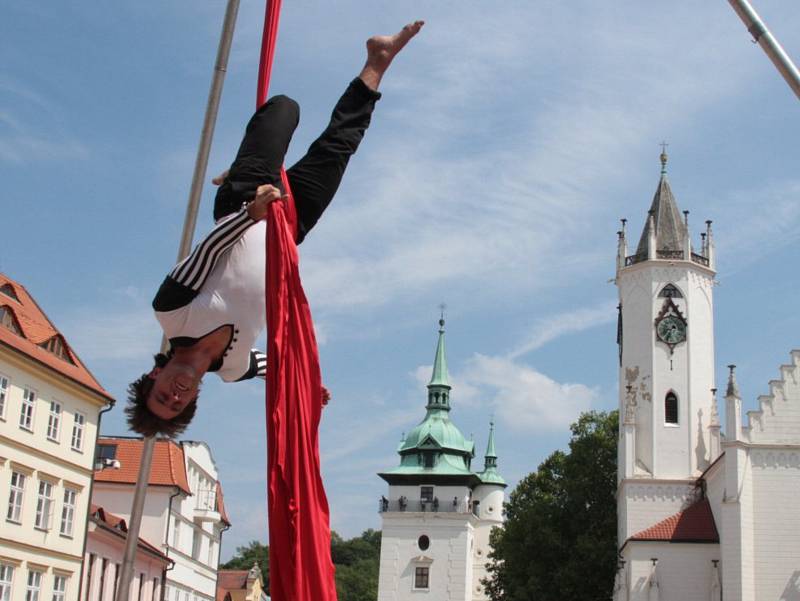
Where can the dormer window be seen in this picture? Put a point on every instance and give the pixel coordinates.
(8, 321)
(9, 291)
(57, 346)
(428, 459)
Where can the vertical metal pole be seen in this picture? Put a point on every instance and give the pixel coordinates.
(768, 43)
(190, 220)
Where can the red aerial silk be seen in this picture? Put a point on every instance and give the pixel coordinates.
(300, 563)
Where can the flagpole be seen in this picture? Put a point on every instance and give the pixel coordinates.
(190, 220)
(768, 43)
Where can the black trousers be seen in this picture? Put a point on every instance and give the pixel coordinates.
(315, 178)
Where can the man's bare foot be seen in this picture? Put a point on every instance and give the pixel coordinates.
(381, 49)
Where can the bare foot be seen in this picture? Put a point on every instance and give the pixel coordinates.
(381, 49)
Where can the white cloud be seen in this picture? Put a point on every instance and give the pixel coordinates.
(526, 399)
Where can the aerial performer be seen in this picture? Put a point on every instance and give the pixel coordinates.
(211, 306)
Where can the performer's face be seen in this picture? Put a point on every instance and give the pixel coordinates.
(174, 386)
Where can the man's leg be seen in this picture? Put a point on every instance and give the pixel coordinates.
(315, 178)
(260, 155)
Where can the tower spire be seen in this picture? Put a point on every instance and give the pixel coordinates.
(490, 459)
(439, 386)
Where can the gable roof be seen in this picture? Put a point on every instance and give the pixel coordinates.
(117, 525)
(221, 504)
(168, 467)
(36, 329)
(695, 524)
(230, 580)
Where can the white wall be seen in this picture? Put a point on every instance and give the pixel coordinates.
(684, 570)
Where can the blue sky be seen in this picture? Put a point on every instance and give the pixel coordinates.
(511, 138)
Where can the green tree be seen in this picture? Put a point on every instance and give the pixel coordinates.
(559, 537)
(357, 562)
(245, 557)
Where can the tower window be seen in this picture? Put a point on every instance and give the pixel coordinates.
(424, 542)
(421, 577)
(670, 291)
(428, 459)
(671, 408)
(426, 494)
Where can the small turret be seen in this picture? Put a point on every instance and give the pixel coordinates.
(715, 447)
(709, 253)
(622, 246)
(733, 408)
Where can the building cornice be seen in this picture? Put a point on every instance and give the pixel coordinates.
(46, 550)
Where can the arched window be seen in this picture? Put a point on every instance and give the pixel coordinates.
(670, 291)
(671, 408)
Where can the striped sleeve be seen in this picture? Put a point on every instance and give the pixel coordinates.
(187, 278)
(193, 271)
(258, 366)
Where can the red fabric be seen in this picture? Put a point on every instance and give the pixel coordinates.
(299, 532)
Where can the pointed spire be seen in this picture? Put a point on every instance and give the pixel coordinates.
(666, 228)
(490, 459)
(439, 386)
(733, 386)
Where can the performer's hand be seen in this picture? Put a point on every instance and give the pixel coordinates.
(220, 179)
(326, 396)
(264, 195)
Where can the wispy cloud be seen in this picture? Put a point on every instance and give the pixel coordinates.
(553, 327)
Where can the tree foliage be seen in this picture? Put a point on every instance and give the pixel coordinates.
(245, 557)
(356, 561)
(559, 538)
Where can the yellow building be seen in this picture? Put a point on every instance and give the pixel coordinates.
(50, 408)
(240, 585)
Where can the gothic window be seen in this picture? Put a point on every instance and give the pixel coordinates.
(671, 408)
(670, 291)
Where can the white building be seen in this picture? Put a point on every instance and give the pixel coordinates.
(438, 513)
(105, 549)
(701, 516)
(184, 514)
(50, 407)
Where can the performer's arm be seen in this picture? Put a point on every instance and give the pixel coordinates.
(187, 278)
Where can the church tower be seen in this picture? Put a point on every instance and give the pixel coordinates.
(666, 361)
(438, 513)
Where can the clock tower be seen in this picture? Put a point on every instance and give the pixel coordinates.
(666, 363)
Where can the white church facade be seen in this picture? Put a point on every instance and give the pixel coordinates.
(438, 512)
(702, 515)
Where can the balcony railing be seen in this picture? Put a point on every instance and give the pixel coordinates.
(674, 255)
(454, 505)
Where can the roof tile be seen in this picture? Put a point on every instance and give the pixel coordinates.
(168, 467)
(693, 524)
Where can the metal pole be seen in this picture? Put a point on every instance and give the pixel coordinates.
(768, 43)
(190, 220)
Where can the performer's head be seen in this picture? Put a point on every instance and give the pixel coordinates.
(164, 400)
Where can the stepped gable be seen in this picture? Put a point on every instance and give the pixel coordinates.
(695, 524)
(34, 330)
(778, 415)
(168, 469)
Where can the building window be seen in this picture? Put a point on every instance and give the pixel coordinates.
(671, 408)
(155, 590)
(6, 579)
(15, 497)
(423, 542)
(7, 320)
(107, 451)
(68, 511)
(3, 399)
(44, 504)
(77, 431)
(426, 494)
(103, 568)
(176, 532)
(422, 577)
(670, 291)
(140, 594)
(26, 411)
(197, 541)
(34, 586)
(56, 346)
(59, 588)
(211, 553)
(476, 508)
(9, 291)
(428, 459)
(54, 421)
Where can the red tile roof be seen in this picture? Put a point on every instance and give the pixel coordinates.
(36, 329)
(117, 524)
(695, 524)
(168, 467)
(221, 504)
(230, 580)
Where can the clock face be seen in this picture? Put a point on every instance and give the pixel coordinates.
(671, 329)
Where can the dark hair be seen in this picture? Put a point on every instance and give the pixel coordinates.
(142, 420)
